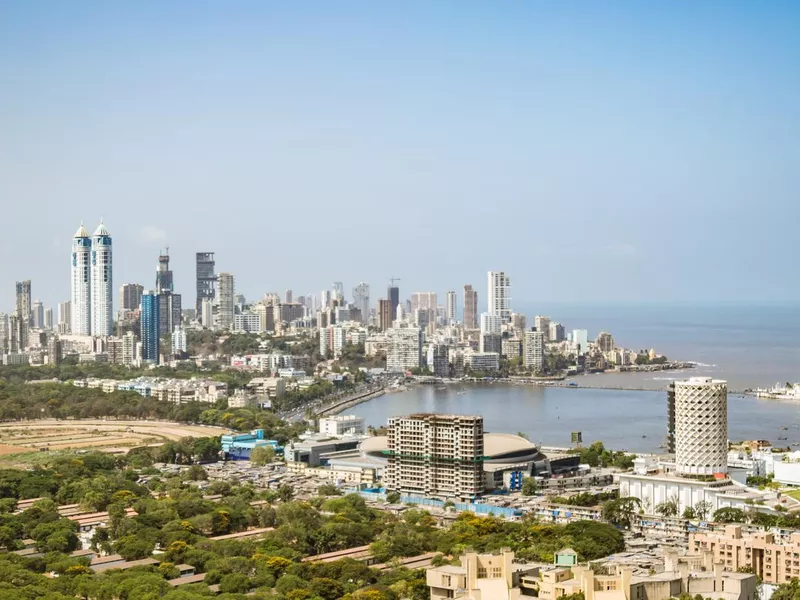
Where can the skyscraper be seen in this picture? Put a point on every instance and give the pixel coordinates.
(288, 296)
(499, 295)
(163, 274)
(451, 307)
(470, 307)
(4, 334)
(48, 318)
(101, 286)
(65, 317)
(361, 300)
(226, 293)
(338, 291)
(384, 314)
(169, 311)
(206, 280)
(393, 295)
(701, 426)
(23, 313)
(533, 350)
(37, 315)
(81, 307)
(149, 326)
(130, 296)
(324, 299)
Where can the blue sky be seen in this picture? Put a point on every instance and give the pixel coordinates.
(606, 151)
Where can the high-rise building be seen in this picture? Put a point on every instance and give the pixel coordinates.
(580, 341)
(436, 456)
(556, 332)
(361, 300)
(451, 308)
(151, 339)
(438, 360)
(206, 280)
(81, 304)
(533, 350)
(325, 299)
(542, 324)
(338, 291)
(384, 314)
(130, 296)
(393, 295)
(287, 297)
(207, 313)
(164, 281)
(13, 333)
(423, 300)
(101, 286)
(500, 295)
(170, 305)
(470, 307)
(129, 344)
(48, 318)
(37, 315)
(4, 334)
(179, 344)
(604, 341)
(671, 418)
(405, 349)
(65, 317)
(701, 426)
(226, 294)
(23, 313)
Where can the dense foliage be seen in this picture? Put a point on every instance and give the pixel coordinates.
(596, 455)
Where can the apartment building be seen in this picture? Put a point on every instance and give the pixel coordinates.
(479, 577)
(773, 560)
(436, 456)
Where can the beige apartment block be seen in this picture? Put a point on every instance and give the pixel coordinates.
(480, 577)
(773, 560)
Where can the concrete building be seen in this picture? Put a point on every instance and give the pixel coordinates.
(482, 362)
(341, 425)
(130, 355)
(37, 315)
(48, 318)
(130, 296)
(423, 300)
(206, 282)
(500, 295)
(436, 456)
(393, 295)
(248, 322)
(511, 348)
(102, 283)
(479, 577)
(518, 322)
(451, 308)
(361, 300)
(470, 320)
(773, 560)
(438, 361)
(604, 342)
(207, 313)
(226, 286)
(405, 349)
(557, 332)
(701, 426)
(65, 317)
(332, 340)
(24, 321)
(580, 341)
(81, 303)
(491, 323)
(533, 350)
(542, 324)
(179, 344)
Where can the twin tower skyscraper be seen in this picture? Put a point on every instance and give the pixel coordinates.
(92, 306)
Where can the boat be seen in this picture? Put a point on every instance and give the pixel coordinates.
(782, 438)
(441, 387)
(461, 393)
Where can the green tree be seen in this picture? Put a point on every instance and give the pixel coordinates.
(528, 486)
(261, 455)
(620, 512)
(393, 497)
(702, 508)
(729, 515)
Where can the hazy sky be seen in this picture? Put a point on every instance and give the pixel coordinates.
(596, 151)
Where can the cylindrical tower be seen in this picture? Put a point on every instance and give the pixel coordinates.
(102, 290)
(81, 307)
(701, 426)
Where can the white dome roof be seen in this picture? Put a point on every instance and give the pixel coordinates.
(101, 229)
(81, 233)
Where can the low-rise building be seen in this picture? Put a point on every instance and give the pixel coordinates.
(479, 577)
(341, 425)
(271, 387)
(482, 361)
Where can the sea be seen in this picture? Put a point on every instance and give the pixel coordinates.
(749, 346)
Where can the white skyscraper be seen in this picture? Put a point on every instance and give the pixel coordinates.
(499, 295)
(580, 341)
(533, 350)
(490, 324)
(701, 426)
(451, 308)
(102, 286)
(81, 305)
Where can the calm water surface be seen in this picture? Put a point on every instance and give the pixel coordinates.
(633, 420)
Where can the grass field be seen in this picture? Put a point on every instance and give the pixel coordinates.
(25, 442)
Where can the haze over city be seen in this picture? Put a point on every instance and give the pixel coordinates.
(595, 152)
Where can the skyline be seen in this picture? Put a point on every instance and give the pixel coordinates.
(637, 153)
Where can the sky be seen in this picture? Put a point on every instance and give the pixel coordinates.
(596, 152)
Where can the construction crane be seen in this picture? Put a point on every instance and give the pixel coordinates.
(393, 279)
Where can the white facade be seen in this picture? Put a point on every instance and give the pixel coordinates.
(533, 350)
(451, 308)
(81, 303)
(102, 283)
(179, 344)
(500, 295)
(341, 425)
(130, 350)
(64, 317)
(491, 323)
(207, 313)
(580, 340)
(701, 426)
(542, 324)
(556, 332)
(405, 348)
(4, 331)
(249, 322)
(482, 361)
